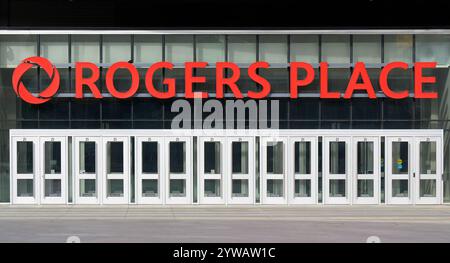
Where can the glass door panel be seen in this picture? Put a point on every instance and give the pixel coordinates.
(54, 162)
(303, 173)
(274, 166)
(211, 170)
(87, 167)
(428, 178)
(398, 170)
(149, 168)
(179, 173)
(24, 170)
(366, 168)
(336, 166)
(241, 163)
(116, 156)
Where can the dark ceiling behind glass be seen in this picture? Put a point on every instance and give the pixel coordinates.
(221, 14)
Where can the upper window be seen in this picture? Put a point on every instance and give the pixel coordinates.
(367, 48)
(179, 48)
(86, 48)
(147, 48)
(336, 48)
(305, 48)
(210, 48)
(273, 48)
(116, 48)
(13, 49)
(398, 48)
(434, 48)
(55, 48)
(242, 48)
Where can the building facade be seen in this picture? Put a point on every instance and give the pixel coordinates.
(331, 151)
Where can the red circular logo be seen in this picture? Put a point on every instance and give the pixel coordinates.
(46, 94)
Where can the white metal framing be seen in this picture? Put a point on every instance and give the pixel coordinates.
(80, 175)
(217, 175)
(53, 175)
(265, 175)
(159, 175)
(287, 135)
(376, 173)
(328, 175)
(250, 175)
(124, 175)
(313, 176)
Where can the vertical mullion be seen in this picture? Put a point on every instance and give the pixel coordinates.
(351, 72)
(38, 51)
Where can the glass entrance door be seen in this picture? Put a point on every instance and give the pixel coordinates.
(273, 170)
(53, 158)
(428, 175)
(211, 182)
(303, 175)
(116, 170)
(336, 166)
(87, 170)
(24, 170)
(179, 173)
(149, 157)
(241, 161)
(366, 170)
(399, 169)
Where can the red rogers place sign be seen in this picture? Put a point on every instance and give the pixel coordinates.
(359, 80)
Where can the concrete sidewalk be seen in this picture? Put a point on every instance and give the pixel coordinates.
(224, 224)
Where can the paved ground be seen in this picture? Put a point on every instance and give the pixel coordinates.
(225, 224)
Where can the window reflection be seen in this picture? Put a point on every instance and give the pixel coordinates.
(239, 157)
(115, 157)
(25, 188)
(275, 157)
(149, 187)
(428, 157)
(177, 157)
(400, 158)
(275, 188)
(150, 157)
(365, 159)
(337, 158)
(239, 188)
(302, 157)
(25, 158)
(88, 188)
(87, 157)
(52, 157)
(302, 188)
(212, 158)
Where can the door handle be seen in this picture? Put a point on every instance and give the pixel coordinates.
(414, 175)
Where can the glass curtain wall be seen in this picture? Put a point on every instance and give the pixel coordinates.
(144, 112)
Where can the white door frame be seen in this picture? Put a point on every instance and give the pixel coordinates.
(313, 176)
(187, 175)
(375, 176)
(327, 175)
(35, 199)
(62, 199)
(80, 175)
(265, 176)
(221, 176)
(125, 175)
(389, 140)
(140, 175)
(417, 176)
(250, 176)
(37, 134)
